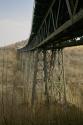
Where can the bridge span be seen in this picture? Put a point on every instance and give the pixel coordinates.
(56, 24)
(42, 82)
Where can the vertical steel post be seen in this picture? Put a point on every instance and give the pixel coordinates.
(34, 78)
(46, 76)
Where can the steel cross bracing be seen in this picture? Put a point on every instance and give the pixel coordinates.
(39, 78)
(49, 77)
(63, 21)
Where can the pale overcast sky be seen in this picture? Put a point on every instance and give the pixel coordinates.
(15, 20)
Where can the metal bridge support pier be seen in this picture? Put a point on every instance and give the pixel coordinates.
(34, 78)
(46, 68)
(49, 74)
(59, 76)
(40, 78)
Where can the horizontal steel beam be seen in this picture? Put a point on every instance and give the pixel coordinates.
(68, 43)
(76, 18)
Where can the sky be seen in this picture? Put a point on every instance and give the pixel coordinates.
(15, 20)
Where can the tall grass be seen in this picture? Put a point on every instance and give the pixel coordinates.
(17, 89)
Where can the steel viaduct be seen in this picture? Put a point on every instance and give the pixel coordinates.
(56, 24)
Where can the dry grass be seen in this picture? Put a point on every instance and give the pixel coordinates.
(15, 93)
(73, 61)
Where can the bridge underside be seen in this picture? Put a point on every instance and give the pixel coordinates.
(54, 23)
